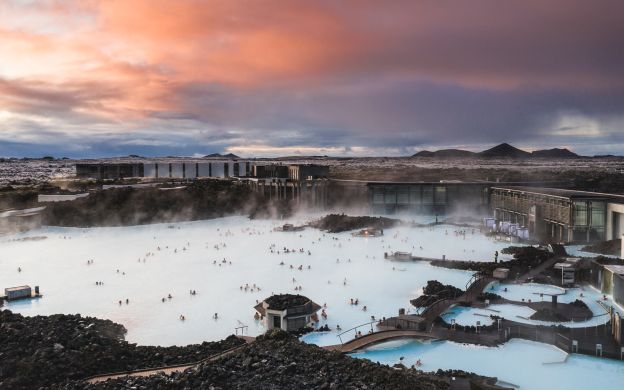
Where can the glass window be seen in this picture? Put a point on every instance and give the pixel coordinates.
(403, 196)
(598, 217)
(427, 195)
(596, 234)
(440, 195)
(415, 196)
(580, 213)
(580, 234)
(391, 197)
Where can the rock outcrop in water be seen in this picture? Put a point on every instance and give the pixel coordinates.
(434, 291)
(524, 257)
(45, 350)
(336, 223)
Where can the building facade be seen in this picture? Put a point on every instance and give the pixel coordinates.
(553, 214)
(427, 198)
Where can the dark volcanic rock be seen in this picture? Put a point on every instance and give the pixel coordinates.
(284, 301)
(280, 361)
(434, 291)
(611, 247)
(43, 350)
(336, 223)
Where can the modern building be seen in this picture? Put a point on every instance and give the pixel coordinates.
(109, 170)
(270, 171)
(165, 170)
(13, 221)
(428, 197)
(287, 312)
(557, 215)
(307, 172)
(609, 279)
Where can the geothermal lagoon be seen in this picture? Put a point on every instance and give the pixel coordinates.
(232, 263)
(522, 363)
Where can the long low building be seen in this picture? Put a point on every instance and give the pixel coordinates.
(13, 221)
(165, 170)
(560, 215)
(428, 197)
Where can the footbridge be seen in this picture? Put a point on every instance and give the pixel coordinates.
(378, 337)
(474, 288)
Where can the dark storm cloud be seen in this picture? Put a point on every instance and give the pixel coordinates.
(367, 75)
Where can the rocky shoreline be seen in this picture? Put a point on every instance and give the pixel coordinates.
(278, 360)
(60, 351)
(41, 351)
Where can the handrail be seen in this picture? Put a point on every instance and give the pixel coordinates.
(434, 304)
(402, 333)
(178, 365)
(358, 326)
(476, 276)
(355, 327)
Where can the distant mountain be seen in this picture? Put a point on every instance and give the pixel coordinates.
(445, 153)
(554, 153)
(504, 150)
(218, 155)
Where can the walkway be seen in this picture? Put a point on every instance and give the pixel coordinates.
(538, 270)
(166, 370)
(472, 292)
(377, 337)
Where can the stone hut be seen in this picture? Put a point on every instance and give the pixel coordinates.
(287, 312)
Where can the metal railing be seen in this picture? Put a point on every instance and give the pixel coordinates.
(355, 328)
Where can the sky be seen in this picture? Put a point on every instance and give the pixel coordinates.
(341, 78)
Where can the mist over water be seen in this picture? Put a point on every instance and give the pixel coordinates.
(185, 262)
(191, 257)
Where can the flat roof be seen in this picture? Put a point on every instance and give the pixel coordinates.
(16, 288)
(616, 269)
(559, 192)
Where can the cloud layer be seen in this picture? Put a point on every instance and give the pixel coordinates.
(157, 77)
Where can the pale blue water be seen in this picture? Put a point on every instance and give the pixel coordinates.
(520, 362)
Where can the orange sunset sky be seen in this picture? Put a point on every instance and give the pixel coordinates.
(345, 78)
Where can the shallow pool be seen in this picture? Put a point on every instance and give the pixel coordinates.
(516, 312)
(527, 364)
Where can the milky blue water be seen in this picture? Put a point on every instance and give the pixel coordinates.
(527, 364)
(186, 261)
